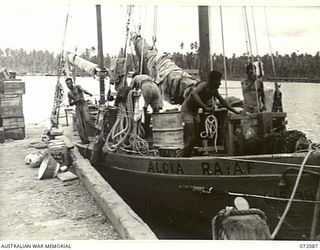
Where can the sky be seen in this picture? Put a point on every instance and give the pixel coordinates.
(294, 26)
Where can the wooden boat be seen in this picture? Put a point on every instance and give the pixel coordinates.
(178, 197)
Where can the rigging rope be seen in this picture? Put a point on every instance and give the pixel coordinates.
(245, 34)
(268, 34)
(248, 31)
(140, 18)
(63, 42)
(250, 56)
(58, 95)
(142, 45)
(224, 55)
(254, 28)
(155, 26)
(277, 94)
(129, 12)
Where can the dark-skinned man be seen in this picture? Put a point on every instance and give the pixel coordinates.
(198, 99)
(75, 97)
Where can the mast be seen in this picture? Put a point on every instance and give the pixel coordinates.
(204, 43)
(100, 54)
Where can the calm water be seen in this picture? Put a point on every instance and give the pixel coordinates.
(300, 101)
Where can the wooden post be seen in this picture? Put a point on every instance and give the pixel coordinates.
(204, 43)
(100, 54)
(229, 141)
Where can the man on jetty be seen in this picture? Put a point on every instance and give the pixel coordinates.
(197, 99)
(75, 97)
(253, 91)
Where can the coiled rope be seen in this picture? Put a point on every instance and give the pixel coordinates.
(218, 229)
(126, 132)
(211, 129)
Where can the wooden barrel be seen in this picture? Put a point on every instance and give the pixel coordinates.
(167, 129)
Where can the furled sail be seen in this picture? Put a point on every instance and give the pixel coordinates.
(81, 63)
(174, 83)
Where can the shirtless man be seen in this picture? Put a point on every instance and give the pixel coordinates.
(151, 95)
(150, 91)
(197, 99)
(253, 92)
(75, 96)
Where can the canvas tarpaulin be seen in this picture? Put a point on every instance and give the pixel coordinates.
(174, 83)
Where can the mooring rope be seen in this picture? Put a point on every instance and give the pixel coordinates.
(293, 193)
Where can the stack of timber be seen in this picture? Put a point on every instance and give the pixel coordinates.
(11, 109)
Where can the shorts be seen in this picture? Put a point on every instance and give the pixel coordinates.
(151, 95)
(188, 116)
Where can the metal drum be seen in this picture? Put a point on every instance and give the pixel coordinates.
(167, 129)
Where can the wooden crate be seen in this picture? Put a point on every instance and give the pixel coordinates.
(11, 106)
(1, 135)
(13, 122)
(12, 87)
(15, 133)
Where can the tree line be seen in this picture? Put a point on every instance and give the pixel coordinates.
(22, 62)
(286, 66)
(290, 66)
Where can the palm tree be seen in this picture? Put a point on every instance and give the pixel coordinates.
(192, 46)
(181, 45)
(195, 44)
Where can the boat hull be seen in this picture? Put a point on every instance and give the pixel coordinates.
(157, 188)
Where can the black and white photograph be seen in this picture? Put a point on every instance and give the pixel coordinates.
(161, 124)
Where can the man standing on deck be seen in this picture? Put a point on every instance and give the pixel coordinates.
(151, 95)
(253, 91)
(150, 91)
(75, 97)
(197, 99)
